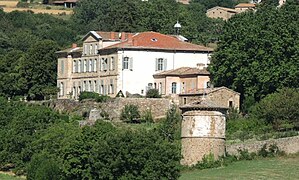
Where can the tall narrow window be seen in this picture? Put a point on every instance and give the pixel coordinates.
(84, 86)
(74, 66)
(90, 49)
(61, 66)
(95, 65)
(61, 88)
(79, 65)
(160, 88)
(111, 63)
(126, 63)
(96, 87)
(111, 87)
(90, 66)
(90, 86)
(173, 88)
(84, 66)
(230, 104)
(161, 64)
(96, 49)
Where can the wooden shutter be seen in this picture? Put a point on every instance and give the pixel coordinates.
(131, 64)
(164, 64)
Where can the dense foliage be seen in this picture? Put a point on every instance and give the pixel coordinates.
(47, 145)
(94, 96)
(153, 15)
(28, 42)
(258, 51)
(153, 93)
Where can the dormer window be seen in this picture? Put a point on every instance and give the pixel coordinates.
(154, 40)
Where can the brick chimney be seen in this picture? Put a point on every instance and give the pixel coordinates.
(112, 35)
(74, 45)
(123, 36)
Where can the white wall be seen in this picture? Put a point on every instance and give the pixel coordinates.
(144, 67)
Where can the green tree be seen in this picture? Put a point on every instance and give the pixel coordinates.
(130, 113)
(39, 68)
(258, 52)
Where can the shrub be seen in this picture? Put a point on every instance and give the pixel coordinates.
(92, 95)
(147, 116)
(153, 93)
(44, 168)
(269, 151)
(279, 109)
(130, 113)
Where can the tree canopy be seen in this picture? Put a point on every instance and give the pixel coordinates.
(259, 51)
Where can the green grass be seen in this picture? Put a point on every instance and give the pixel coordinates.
(8, 177)
(269, 168)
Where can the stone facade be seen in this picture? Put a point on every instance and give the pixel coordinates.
(221, 12)
(93, 110)
(221, 96)
(289, 145)
(203, 131)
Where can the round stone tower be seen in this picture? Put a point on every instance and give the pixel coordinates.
(203, 131)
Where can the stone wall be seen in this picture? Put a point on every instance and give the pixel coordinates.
(289, 145)
(112, 108)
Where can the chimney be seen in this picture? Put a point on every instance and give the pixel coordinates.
(130, 37)
(123, 36)
(112, 35)
(74, 45)
(200, 66)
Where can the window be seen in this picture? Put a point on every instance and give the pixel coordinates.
(85, 49)
(90, 86)
(95, 65)
(62, 67)
(96, 49)
(74, 92)
(84, 66)
(160, 88)
(155, 85)
(126, 63)
(185, 100)
(90, 66)
(74, 66)
(79, 66)
(230, 104)
(96, 86)
(90, 49)
(111, 63)
(84, 86)
(61, 89)
(173, 88)
(183, 87)
(111, 87)
(161, 64)
(104, 64)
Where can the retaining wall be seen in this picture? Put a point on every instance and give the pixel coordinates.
(289, 145)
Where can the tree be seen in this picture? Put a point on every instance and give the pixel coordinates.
(153, 93)
(39, 68)
(279, 108)
(130, 113)
(258, 52)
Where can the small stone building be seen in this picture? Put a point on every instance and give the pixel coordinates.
(221, 12)
(222, 96)
(203, 131)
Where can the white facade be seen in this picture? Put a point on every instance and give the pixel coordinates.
(137, 80)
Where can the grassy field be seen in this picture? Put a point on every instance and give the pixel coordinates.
(273, 168)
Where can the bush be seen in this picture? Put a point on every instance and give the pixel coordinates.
(92, 95)
(43, 168)
(153, 93)
(147, 116)
(130, 113)
(269, 151)
(279, 109)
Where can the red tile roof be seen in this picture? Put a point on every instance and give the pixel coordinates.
(154, 40)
